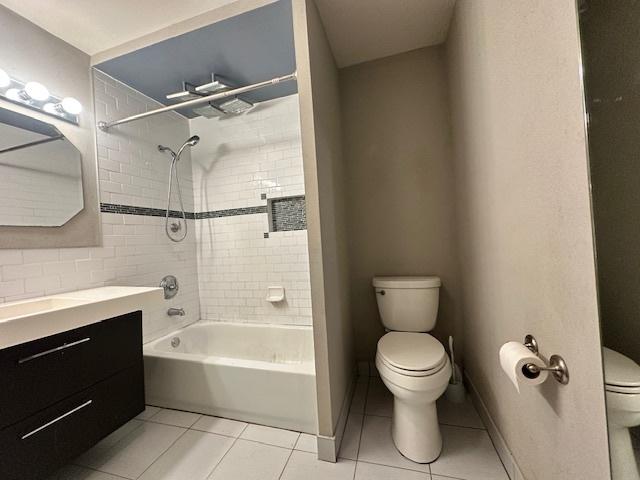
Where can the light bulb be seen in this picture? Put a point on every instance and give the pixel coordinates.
(13, 94)
(71, 105)
(5, 79)
(51, 108)
(36, 91)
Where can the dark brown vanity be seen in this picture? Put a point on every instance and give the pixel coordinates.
(63, 393)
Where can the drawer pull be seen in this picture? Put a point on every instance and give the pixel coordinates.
(55, 420)
(53, 350)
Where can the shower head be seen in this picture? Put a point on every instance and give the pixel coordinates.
(191, 142)
(162, 148)
(235, 105)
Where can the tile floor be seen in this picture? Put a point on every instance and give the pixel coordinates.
(163, 444)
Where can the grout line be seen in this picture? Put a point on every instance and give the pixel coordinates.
(269, 444)
(225, 453)
(364, 409)
(165, 450)
(447, 476)
(462, 426)
(399, 468)
(99, 471)
(150, 420)
(114, 445)
(285, 465)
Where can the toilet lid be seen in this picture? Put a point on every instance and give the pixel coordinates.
(411, 351)
(619, 370)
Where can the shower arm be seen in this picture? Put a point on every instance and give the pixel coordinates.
(104, 126)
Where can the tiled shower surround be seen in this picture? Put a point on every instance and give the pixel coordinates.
(225, 265)
(242, 162)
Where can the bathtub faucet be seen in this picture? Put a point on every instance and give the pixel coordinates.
(172, 312)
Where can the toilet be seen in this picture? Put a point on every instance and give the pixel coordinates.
(412, 364)
(622, 392)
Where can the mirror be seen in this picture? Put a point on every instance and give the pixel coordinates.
(610, 46)
(40, 173)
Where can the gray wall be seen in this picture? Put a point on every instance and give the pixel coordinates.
(30, 53)
(326, 222)
(527, 257)
(397, 148)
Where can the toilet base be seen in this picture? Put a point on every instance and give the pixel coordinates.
(415, 430)
(623, 460)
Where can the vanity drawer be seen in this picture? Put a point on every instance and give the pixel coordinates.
(39, 373)
(46, 441)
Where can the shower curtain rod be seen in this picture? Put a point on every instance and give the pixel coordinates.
(104, 126)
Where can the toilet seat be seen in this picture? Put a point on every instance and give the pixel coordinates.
(621, 374)
(411, 354)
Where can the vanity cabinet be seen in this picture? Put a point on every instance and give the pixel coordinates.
(63, 393)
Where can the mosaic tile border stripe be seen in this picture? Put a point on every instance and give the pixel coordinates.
(231, 212)
(159, 212)
(144, 211)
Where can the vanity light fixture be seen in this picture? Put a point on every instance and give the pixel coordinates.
(36, 96)
(5, 79)
(35, 91)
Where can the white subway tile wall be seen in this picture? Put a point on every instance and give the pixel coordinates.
(25, 195)
(225, 265)
(135, 249)
(237, 161)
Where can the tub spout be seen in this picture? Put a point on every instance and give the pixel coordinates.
(172, 312)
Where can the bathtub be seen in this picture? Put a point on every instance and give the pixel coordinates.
(262, 374)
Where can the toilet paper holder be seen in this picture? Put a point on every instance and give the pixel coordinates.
(556, 365)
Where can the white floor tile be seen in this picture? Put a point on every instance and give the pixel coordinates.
(251, 461)
(379, 399)
(306, 466)
(148, 412)
(307, 443)
(73, 472)
(134, 453)
(192, 457)
(369, 471)
(468, 453)
(271, 436)
(222, 426)
(176, 418)
(103, 446)
(377, 445)
(351, 438)
(458, 414)
(359, 397)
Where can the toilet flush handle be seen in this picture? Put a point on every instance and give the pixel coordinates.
(381, 292)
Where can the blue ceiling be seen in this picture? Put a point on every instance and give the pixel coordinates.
(248, 48)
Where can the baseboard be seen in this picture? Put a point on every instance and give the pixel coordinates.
(496, 437)
(328, 447)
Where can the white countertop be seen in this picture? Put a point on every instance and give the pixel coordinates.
(27, 320)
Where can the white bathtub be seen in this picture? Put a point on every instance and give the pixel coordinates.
(255, 373)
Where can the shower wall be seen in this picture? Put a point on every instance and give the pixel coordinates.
(240, 166)
(133, 178)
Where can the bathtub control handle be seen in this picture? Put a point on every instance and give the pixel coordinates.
(172, 312)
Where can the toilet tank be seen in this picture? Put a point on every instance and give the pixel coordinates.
(408, 304)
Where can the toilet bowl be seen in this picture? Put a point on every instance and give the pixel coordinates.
(412, 364)
(622, 392)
